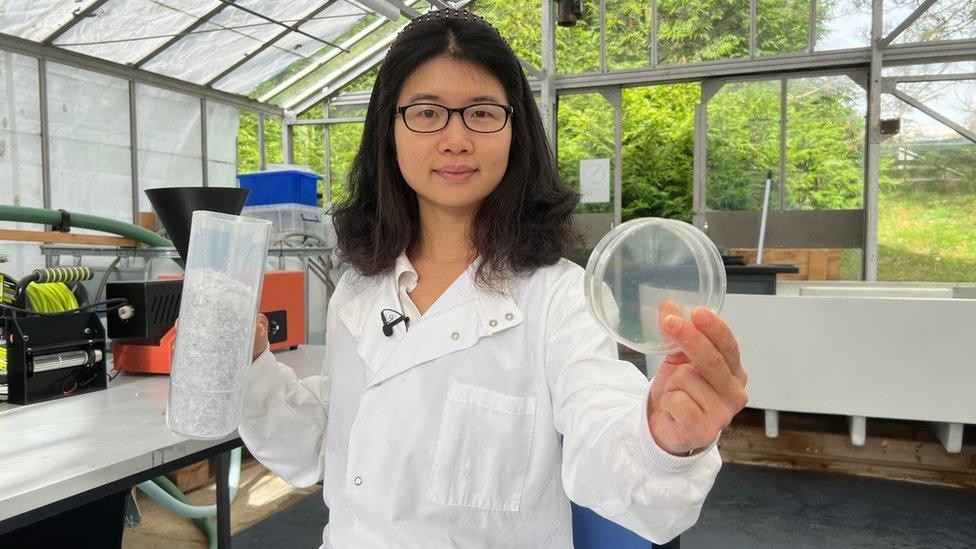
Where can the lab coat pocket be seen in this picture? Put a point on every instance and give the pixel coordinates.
(482, 449)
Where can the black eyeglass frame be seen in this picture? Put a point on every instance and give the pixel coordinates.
(509, 111)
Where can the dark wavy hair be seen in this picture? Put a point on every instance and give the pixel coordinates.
(526, 221)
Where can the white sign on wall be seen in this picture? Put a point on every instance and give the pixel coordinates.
(594, 180)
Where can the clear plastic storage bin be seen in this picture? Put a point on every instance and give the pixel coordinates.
(293, 218)
(218, 314)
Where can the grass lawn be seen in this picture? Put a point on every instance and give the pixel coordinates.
(927, 236)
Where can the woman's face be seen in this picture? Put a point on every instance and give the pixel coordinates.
(454, 168)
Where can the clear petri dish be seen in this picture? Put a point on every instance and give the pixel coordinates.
(647, 268)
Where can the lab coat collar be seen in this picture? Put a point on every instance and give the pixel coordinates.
(457, 320)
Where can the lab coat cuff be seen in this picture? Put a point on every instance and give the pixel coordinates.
(262, 381)
(654, 458)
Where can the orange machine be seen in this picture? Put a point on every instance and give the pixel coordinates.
(282, 301)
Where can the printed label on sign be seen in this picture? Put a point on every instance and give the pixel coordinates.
(595, 180)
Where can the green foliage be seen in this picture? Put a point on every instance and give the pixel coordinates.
(825, 144)
(658, 150)
(825, 124)
(702, 30)
(248, 156)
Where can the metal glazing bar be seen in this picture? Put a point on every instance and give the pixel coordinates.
(308, 17)
(391, 6)
(533, 71)
(548, 106)
(698, 166)
(752, 28)
(183, 33)
(21, 46)
(287, 27)
(872, 169)
(654, 60)
(262, 152)
(203, 142)
(618, 164)
(939, 51)
(694, 72)
(327, 142)
(783, 88)
(134, 150)
(45, 133)
(288, 140)
(961, 130)
(335, 80)
(919, 11)
(812, 27)
(353, 40)
(931, 78)
(78, 17)
(329, 121)
(603, 35)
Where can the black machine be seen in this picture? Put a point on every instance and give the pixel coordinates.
(53, 355)
(154, 306)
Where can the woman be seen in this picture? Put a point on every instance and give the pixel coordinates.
(476, 419)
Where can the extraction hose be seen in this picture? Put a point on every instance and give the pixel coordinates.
(172, 498)
(20, 214)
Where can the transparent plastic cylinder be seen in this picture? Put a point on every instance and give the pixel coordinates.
(218, 312)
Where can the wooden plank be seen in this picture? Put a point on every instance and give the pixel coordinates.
(201, 473)
(918, 461)
(147, 220)
(817, 265)
(192, 476)
(833, 264)
(814, 264)
(66, 238)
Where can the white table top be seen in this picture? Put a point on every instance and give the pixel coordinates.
(53, 450)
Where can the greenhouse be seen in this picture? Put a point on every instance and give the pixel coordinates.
(811, 163)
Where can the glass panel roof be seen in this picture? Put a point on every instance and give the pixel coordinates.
(327, 25)
(37, 19)
(246, 47)
(226, 37)
(126, 30)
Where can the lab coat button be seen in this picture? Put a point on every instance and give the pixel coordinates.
(358, 480)
(509, 316)
(493, 323)
(455, 336)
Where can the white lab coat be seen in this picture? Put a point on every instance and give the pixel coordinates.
(471, 428)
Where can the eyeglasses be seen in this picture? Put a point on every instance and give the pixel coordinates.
(431, 117)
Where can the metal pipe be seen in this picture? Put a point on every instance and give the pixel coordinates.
(70, 359)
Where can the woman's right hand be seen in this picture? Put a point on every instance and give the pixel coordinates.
(260, 337)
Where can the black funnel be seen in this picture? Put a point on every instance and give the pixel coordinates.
(175, 207)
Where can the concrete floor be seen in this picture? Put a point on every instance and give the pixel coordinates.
(756, 507)
(760, 507)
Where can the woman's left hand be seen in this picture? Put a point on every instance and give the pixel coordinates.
(698, 389)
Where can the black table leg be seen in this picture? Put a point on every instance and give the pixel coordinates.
(222, 461)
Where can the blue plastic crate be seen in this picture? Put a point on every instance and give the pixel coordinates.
(280, 187)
